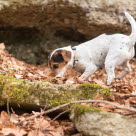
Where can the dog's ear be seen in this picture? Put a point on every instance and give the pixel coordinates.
(66, 55)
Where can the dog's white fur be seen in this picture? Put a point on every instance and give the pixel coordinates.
(109, 50)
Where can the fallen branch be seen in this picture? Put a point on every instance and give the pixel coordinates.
(75, 102)
(59, 115)
(129, 95)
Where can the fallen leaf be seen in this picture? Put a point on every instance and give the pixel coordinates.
(14, 118)
(36, 133)
(4, 118)
(2, 46)
(15, 131)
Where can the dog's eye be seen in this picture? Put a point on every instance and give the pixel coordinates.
(55, 66)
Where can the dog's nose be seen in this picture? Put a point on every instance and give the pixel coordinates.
(58, 76)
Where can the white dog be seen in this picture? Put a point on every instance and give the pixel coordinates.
(109, 50)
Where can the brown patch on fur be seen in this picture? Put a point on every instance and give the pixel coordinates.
(66, 55)
(59, 59)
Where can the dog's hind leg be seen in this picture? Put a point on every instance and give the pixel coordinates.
(110, 72)
(113, 59)
(90, 69)
(110, 65)
(127, 69)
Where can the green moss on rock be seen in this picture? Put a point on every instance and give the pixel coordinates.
(89, 90)
(79, 109)
(13, 89)
(43, 93)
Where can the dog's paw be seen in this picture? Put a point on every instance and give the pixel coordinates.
(82, 79)
(118, 77)
(82, 82)
(70, 82)
(59, 76)
(108, 83)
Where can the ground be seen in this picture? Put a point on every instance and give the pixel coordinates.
(18, 73)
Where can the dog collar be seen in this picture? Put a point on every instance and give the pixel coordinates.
(75, 55)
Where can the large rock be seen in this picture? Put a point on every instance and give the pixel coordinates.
(37, 27)
(94, 122)
(86, 17)
(36, 94)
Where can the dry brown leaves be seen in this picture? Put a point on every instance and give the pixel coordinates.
(19, 69)
(42, 126)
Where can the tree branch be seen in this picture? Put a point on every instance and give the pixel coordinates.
(60, 115)
(129, 95)
(75, 102)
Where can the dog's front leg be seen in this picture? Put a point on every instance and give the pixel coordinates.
(90, 69)
(62, 72)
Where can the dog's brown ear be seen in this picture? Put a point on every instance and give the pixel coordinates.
(66, 55)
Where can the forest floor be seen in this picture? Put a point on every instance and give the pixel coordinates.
(52, 126)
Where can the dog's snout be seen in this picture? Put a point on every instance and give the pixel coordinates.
(55, 66)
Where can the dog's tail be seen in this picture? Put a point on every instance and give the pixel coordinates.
(133, 25)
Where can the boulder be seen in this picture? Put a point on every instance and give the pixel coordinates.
(35, 28)
(85, 17)
(43, 94)
(95, 122)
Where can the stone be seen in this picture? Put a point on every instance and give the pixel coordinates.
(30, 22)
(40, 94)
(94, 122)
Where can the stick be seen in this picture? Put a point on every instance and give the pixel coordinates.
(75, 102)
(129, 95)
(59, 115)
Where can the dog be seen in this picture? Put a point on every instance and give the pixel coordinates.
(109, 50)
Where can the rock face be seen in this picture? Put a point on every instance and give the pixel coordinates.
(30, 26)
(92, 122)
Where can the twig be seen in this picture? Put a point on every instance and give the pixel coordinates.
(59, 115)
(129, 95)
(75, 102)
(8, 108)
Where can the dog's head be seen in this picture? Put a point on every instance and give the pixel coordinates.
(59, 58)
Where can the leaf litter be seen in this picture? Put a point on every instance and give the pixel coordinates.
(42, 125)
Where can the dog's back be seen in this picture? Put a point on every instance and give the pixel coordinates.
(107, 49)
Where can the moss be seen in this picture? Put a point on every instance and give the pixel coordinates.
(47, 85)
(23, 91)
(43, 93)
(50, 80)
(65, 95)
(15, 92)
(90, 90)
(61, 96)
(105, 92)
(81, 109)
(15, 89)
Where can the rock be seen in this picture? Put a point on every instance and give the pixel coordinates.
(37, 94)
(99, 17)
(42, 26)
(94, 122)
